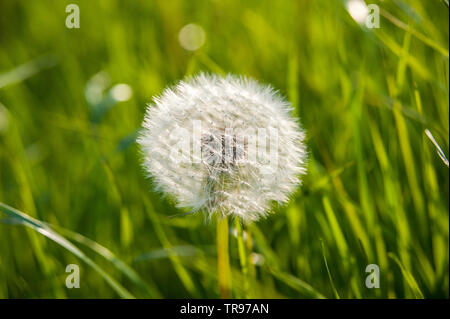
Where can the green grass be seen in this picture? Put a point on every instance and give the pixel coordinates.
(376, 190)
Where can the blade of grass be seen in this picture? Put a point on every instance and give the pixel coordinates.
(428, 41)
(334, 224)
(164, 239)
(336, 294)
(296, 283)
(409, 278)
(27, 70)
(274, 268)
(41, 228)
(152, 292)
(438, 148)
(242, 256)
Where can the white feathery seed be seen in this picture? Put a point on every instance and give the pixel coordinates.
(224, 145)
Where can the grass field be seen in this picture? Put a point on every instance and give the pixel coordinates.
(376, 192)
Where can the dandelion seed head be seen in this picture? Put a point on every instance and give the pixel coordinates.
(247, 153)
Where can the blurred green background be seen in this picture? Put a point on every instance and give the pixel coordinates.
(376, 190)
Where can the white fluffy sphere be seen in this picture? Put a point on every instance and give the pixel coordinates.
(223, 145)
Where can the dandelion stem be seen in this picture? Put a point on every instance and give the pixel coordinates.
(223, 259)
(242, 256)
(250, 261)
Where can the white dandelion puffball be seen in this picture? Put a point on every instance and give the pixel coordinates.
(224, 145)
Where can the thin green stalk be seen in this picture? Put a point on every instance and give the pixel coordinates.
(242, 257)
(250, 262)
(223, 258)
(336, 294)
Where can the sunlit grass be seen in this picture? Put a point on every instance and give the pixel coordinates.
(377, 185)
